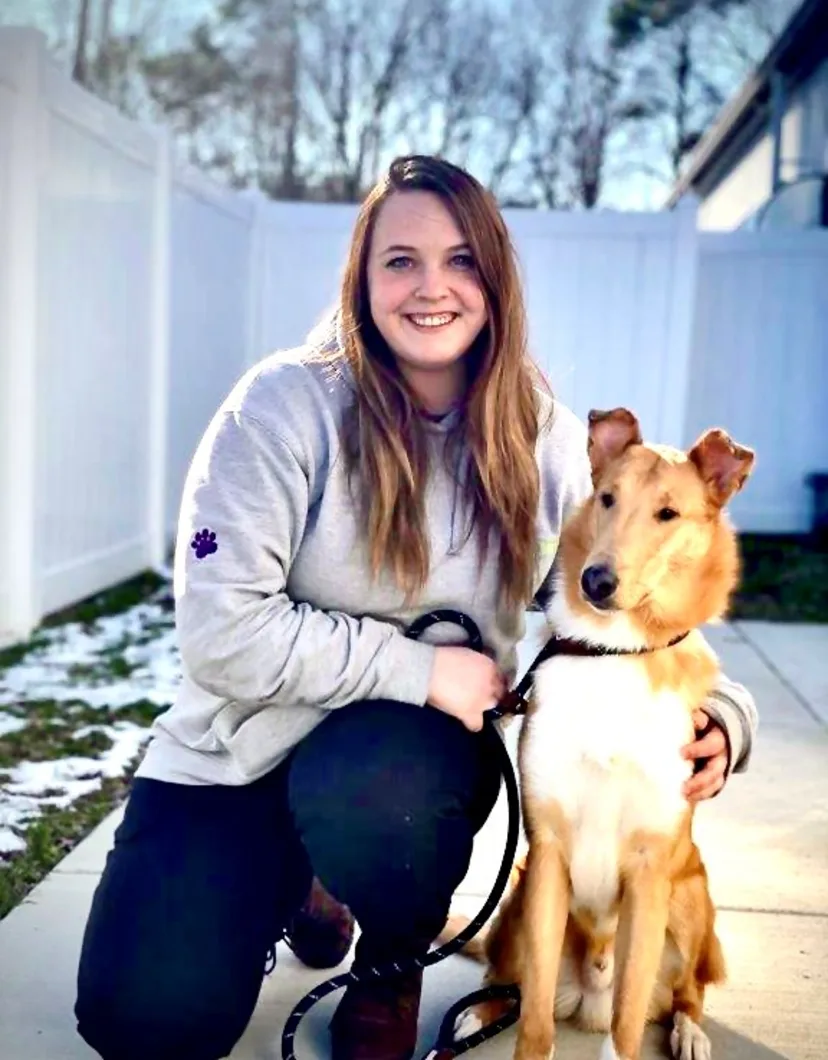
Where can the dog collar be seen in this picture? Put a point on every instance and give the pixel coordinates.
(514, 702)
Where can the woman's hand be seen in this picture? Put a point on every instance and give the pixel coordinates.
(465, 684)
(712, 746)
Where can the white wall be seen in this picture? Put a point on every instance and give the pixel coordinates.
(301, 258)
(11, 74)
(740, 194)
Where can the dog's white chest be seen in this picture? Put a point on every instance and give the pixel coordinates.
(607, 750)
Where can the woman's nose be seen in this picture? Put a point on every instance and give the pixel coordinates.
(432, 283)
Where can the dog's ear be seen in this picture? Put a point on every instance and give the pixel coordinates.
(723, 465)
(610, 434)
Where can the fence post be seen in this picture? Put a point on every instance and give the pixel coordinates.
(681, 324)
(159, 357)
(20, 607)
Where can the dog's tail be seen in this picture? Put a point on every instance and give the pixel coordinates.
(474, 948)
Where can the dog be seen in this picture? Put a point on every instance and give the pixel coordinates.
(611, 919)
(584, 988)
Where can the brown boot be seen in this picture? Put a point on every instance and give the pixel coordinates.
(321, 932)
(377, 1020)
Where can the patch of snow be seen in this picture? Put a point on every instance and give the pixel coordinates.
(46, 672)
(9, 842)
(9, 724)
(49, 672)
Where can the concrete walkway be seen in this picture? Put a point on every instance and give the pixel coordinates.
(765, 841)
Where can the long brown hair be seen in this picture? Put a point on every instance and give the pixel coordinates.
(385, 438)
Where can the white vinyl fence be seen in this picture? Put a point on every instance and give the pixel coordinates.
(133, 295)
(760, 364)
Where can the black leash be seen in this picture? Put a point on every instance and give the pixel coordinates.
(515, 703)
(456, 944)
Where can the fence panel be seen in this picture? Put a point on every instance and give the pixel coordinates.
(19, 78)
(303, 252)
(760, 364)
(606, 298)
(210, 284)
(95, 262)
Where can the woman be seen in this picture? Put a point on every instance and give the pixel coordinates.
(407, 459)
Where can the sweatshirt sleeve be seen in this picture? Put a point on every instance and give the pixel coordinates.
(733, 708)
(244, 509)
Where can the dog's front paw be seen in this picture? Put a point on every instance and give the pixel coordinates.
(688, 1041)
(467, 1023)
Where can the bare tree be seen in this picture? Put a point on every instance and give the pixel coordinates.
(689, 56)
(192, 88)
(361, 60)
(80, 64)
(475, 90)
(597, 115)
(267, 98)
(575, 101)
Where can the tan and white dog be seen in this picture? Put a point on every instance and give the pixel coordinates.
(612, 919)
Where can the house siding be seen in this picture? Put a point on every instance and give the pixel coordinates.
(746, 186)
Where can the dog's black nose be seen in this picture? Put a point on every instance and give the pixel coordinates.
(599, 583)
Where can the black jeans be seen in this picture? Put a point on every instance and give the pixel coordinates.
(381, 801)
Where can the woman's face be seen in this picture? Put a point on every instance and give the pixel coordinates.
(424, 294)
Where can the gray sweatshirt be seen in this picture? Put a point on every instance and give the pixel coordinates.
(278, 618)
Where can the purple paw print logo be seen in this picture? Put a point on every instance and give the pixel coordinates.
(204, 543)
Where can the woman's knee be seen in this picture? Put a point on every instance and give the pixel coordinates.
(387, 799)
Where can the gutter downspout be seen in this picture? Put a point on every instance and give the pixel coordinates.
(778, 101)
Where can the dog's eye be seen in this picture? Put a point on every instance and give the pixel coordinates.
(664, 515)
(607, 500)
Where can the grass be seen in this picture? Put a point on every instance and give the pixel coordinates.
(61, 729)
(112, 601)
(784, 579)
(57, 729)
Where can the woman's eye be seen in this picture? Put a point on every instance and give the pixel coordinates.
(463, 261)
(401, 262)
(664, 515)
(607, 500)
